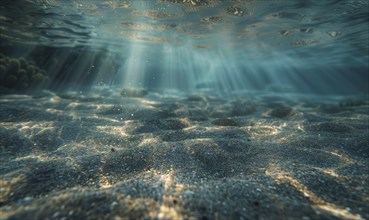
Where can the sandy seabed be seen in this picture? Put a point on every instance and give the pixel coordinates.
(182, 156)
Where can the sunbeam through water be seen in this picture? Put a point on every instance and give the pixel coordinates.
(184, 109)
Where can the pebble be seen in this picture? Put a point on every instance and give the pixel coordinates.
(188, 192)
(27, 199)
(56, 214)
(113, 205)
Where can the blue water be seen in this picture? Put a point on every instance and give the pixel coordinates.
(184, 109)
(287, 46)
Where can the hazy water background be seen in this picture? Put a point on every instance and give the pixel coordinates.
(224, 46)
(115, 108)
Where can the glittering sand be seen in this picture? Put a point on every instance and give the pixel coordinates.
(104, 156)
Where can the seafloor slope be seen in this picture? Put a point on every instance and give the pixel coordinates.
(77, 156)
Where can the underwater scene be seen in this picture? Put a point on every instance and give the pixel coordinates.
(184, 109)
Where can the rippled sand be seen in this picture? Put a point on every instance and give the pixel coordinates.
(174, 156)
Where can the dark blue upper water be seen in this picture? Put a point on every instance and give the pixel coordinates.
(217, 45)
